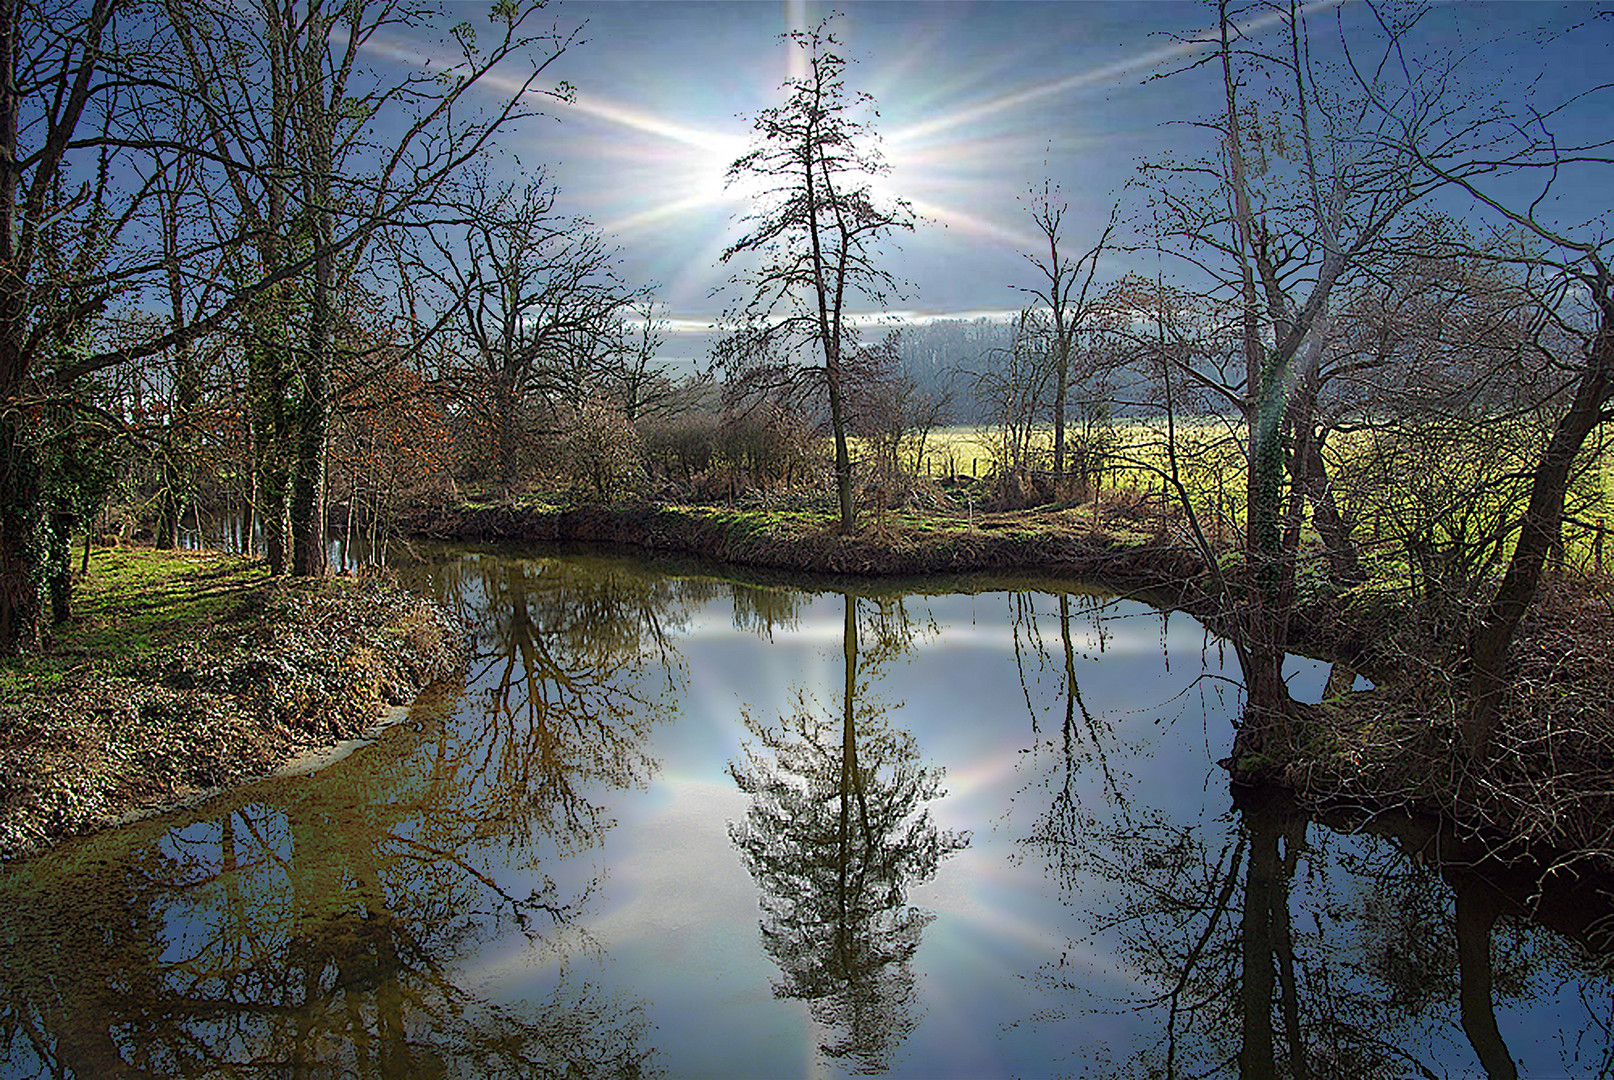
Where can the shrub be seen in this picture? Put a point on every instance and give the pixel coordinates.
(600, 451)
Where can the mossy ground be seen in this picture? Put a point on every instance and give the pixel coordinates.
(183, 671)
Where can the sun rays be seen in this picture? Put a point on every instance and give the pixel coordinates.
(643, 152)
(957, 164)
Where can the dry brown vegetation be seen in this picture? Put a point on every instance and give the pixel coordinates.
(1547, 785)
(187, 672)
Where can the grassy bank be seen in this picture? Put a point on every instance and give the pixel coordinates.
(1119, 549)
(180, 672)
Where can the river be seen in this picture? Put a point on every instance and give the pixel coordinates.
(678, 824)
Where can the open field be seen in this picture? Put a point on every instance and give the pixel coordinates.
(1409, 494)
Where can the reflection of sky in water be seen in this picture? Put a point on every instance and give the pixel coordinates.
(1019, 974)
(680, 924)
(679, 917)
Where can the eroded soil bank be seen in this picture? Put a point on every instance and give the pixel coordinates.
(1065, 542)
(202, 672)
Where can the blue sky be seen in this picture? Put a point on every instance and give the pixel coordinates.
(978, 102)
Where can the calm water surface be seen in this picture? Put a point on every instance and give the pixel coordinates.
(678, 825)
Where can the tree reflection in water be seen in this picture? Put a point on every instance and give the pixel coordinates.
(1270, 954)
(836, 834)
(1266, 944)
(312, 929)
(1083, 739)
(423, 908)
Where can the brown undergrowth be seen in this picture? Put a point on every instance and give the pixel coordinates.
(1547, 781)
(275, 669)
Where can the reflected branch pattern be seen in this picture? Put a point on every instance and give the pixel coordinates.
(316, 929)
(1083, 738)
(1261, 968)
(836, 834)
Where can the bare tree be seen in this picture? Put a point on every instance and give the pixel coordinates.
(890, 410)
(61, 219)
(1306, 181)
(537, 300)
(1064, 292)
(321, 149)
(1307, 221)
(819, 227)
(1014, 387)
(1576, 303)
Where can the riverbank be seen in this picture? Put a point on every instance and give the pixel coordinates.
(1123, 549)
(1133, 547)
(1395, 746)
(183, 672)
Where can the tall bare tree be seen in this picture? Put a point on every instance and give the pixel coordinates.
(322, 147)
(1306, 181)
(60, 219)
(1576, 308)
(819, 227)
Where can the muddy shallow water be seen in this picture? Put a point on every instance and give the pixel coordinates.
(673, 824)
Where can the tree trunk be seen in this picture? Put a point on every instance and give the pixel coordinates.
(268, 374)
(317, 127)
(1268, 708)
(504, 438)
(1477, 909)
(1061, 394)
(843, 457)
(273, 518)
(21, 605)
(178, 460)
(308, 488)
(1344, 560)
(59, 562)
(21, 540)
(169, 511)
(1257, 980)
(308, 481)
(1492, 640)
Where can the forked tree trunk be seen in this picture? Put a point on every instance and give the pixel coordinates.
(1492, 641)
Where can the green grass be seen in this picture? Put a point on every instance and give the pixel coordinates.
(182, 671)
(1211, 465)
(132, 602)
